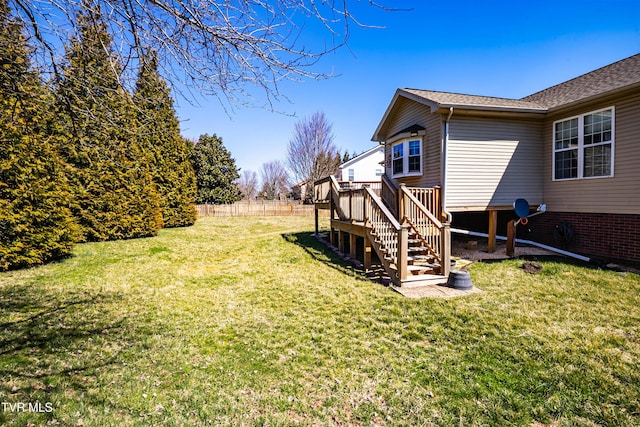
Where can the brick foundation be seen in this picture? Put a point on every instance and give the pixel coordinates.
(613, 237)
(607, 236)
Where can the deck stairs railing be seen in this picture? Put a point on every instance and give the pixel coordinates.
(433, 234)
(413, 245)
(387, 237)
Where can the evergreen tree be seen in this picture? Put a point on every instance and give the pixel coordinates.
(116, 197)
(346, 157)
(159, 134)
(216, 171)
(35, 223)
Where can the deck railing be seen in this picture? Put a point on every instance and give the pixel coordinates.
(435, 235)
(376, 186)
(322, 190)
(418, 208)
(336, 198)
(352, 204)
(429, 198)
(348, 197)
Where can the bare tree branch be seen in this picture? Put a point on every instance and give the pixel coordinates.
(275, 180)
(248, 184)
(224, 48)
(311, 154)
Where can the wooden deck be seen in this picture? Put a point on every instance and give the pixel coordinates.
(404, 233)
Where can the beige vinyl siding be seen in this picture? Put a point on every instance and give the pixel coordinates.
(492, 162)
(617, 194)
(411, 113)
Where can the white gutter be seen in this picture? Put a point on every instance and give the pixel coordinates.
(445, 149)
(526, 242)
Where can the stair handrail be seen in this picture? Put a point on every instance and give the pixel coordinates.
(390, 199)
(391, 234)
(420, 206)
(434, 234)
(387, 213)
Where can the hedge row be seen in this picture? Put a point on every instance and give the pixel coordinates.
(82, 158)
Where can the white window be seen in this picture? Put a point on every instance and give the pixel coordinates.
(407, 157)
(352, 174)
(583, 146)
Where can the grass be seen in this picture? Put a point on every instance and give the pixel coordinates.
(249, 321)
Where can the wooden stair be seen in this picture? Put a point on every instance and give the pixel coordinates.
(409, 240)
(422, 267)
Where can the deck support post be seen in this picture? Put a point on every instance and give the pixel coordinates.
(316, 221)
(352, 246)
(367, 255)
(403, 252)
(341, 240)
(401, 196)
(332, 210)
(511, 238)
(493, 226)
(445, 247)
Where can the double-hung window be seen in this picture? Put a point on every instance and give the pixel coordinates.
(407, 157)
(583, 146)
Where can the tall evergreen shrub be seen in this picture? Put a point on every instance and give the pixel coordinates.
(35, 223)
(116, 197)
(216, 171)
(168, 151)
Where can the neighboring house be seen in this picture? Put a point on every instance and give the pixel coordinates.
(574, 147)
(298, 190)
(368, 166)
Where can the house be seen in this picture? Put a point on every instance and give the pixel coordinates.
(574, 147)
(298, 190)
(368, 166)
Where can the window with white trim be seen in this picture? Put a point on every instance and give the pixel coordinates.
(583, 146)
(406, 157)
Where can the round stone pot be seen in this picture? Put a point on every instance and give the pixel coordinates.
(459, 279)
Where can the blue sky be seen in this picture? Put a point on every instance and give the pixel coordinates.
(498, 48)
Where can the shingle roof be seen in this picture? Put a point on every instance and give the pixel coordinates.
(621, 75)
(448, 99)
(609, 78)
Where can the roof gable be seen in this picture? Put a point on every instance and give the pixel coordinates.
(361, 156)
(441, 102)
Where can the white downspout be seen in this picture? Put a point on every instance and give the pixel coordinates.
(445, 149)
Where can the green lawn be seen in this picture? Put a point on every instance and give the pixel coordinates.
(249, 321)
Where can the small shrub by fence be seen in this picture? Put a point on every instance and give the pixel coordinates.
(257, 208)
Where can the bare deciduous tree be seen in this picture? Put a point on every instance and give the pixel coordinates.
(218, 47)
(248, 184)
(275, 180)
(311, 154)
